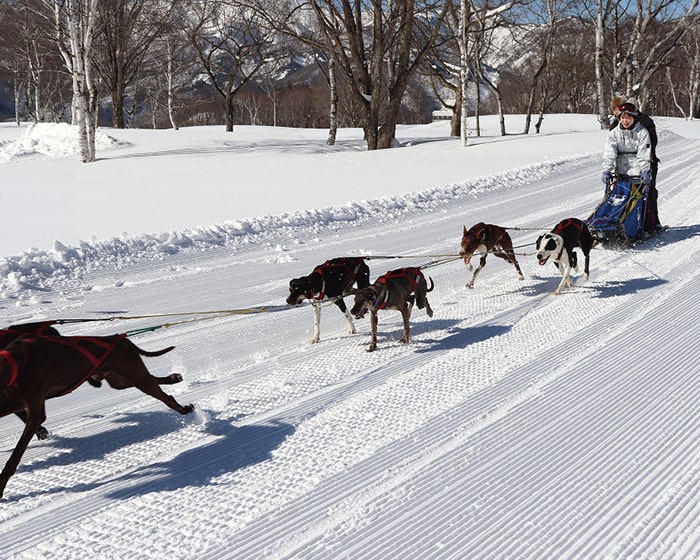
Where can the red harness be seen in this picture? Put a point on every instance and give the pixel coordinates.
(578, 224)
(14, 368)
(10, 335)
(95, 357)
(561, 226)
(351, 264)
(412, 274)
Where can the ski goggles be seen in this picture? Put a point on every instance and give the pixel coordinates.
(627, 108)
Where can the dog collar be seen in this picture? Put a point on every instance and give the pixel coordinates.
(14, 368)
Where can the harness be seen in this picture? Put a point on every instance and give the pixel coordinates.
(578, 224)
(351, 264)
(412, 274)
(13, 333)
(96, 356)
(14, 368)
(9, 335)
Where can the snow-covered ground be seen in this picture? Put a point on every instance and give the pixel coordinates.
(515, 424)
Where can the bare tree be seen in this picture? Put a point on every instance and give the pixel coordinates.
(126, 31)
(232, 43)
(377, 46)
(491, 53)
(650, 45)
(686, 84)
(541, 42)
(645, 34)
(28, 55)
(72, 24)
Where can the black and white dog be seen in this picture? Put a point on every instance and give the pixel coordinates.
(332, 279)
(559, 245)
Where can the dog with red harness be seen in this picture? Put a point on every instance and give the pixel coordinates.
(12, 333)
(397, 289)
(34, 369)
(332, 279)
(559, 244)
(484, 239)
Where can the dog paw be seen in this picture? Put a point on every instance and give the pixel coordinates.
(314, 340)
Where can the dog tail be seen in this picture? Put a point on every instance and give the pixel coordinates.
(431, 285)
(155, 352)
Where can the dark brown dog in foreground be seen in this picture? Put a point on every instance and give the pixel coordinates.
(38, 368)
(12, 333)
(397, 289)
(484, 239)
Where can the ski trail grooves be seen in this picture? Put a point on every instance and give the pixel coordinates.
(635, 415)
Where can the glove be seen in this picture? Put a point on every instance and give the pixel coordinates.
(646, 177)
(606, 178)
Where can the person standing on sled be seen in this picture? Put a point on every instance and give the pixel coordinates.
(628, 150)
(651, 219)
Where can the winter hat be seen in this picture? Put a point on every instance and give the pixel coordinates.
(616, 101)
(628, 108)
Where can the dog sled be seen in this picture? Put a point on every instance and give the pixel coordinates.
(618, 221)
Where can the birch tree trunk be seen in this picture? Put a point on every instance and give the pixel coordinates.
(333, 113)
(599, 71)
(74, 22)
(464, 70)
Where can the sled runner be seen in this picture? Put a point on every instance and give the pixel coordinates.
(619, 218)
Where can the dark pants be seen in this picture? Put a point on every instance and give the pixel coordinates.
(651, 219)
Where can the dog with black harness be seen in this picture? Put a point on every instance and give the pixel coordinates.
(332, 279)
(397, 289)
(559, 244)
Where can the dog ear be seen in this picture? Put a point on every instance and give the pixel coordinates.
(465, 231)
(539, 240)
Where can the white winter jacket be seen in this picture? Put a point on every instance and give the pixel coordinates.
(627, 151)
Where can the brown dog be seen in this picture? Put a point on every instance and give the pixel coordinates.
(12, 333)
(484, 239)
(38, 368)
(397, 289)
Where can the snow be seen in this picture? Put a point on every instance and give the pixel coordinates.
(515, 424)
